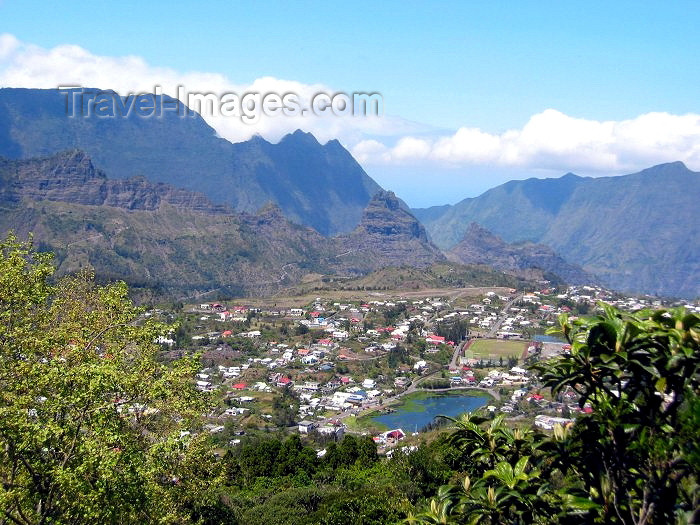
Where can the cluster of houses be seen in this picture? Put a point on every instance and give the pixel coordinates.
(346, 336)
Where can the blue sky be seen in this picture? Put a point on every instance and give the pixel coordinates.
(441, 66)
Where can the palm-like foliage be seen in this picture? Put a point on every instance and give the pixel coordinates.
(487, 446)
(640, 373)
(633, 460)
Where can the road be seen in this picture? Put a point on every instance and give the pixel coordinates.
(502, 316)
(455, 354)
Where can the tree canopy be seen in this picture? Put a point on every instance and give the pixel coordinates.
(90, 421)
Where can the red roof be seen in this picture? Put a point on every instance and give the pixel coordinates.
(239, 386)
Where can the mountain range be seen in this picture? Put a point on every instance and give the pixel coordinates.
(635, 232)
(315, 185)
(178, 242)
(166, 202)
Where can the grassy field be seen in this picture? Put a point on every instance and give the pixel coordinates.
(493, 349)
(461, 296)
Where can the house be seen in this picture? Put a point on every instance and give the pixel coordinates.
(306, 426)
(401, 381)
(420, 365)
(333, 384)
(390, 436)
(369, 383)
(435, 340)
(283, 382)
(337, 431)
(548, 422)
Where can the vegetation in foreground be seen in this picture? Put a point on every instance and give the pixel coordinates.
(95, 429)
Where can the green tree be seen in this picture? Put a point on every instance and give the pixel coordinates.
(632, 460)
(89, 419)
(641, 375)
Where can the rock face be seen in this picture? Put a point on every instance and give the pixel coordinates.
(316, 185)
(387, 235)
(72, 177)
(155, 236)
(480, 246)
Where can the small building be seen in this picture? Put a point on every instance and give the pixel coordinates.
(306, 426)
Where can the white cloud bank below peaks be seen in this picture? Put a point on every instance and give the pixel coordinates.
(551, 140)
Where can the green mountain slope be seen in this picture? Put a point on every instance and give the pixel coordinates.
(636, 232)
(177, 241)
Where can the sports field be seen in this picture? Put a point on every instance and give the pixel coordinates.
(493, 349)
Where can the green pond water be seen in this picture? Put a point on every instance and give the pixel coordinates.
(417, 413)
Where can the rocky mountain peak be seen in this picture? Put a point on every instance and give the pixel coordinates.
(385, 216)
(270, 214)
(481, 246)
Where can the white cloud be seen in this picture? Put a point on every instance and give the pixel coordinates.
(27, 65)
(549, 140)
(554, 141)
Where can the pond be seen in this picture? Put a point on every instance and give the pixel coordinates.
(414, 414)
